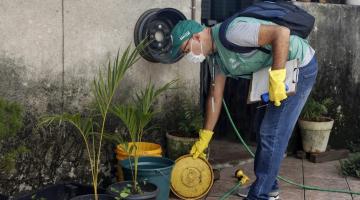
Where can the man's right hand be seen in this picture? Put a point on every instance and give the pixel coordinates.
(199, 147)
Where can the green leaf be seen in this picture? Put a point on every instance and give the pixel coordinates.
(315, 110)
(114, 138)
(124, 195)
(112, 189)
(351, 166)
(11, 118)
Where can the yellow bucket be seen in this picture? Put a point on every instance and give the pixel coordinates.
(143, 149)
(191, 178)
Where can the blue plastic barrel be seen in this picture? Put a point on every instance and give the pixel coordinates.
(156, 170)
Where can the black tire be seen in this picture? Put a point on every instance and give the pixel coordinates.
(157, 21)
(139, 27)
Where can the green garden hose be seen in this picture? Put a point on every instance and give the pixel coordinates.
(306, 187)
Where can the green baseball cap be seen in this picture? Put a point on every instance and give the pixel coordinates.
(181, 32)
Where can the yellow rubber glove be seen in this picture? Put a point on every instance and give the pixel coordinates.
(199, 147)
(277, 91)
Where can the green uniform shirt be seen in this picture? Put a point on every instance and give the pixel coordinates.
(235, 64)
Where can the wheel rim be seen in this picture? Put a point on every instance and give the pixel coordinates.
(155, 25)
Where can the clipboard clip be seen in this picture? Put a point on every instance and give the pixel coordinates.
(295, 75)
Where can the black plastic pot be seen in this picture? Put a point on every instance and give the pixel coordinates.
(92, 197)
(64, 191)
(3, 197)
(150, 191)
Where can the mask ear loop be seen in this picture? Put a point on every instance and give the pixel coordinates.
(201, 47)
(191, 42)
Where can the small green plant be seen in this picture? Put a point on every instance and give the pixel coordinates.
(315, 110)
(192, 120)
(127, 190)
(8, 160)
(354, 146)
(11, 122)
(351, 166)
(11, 118)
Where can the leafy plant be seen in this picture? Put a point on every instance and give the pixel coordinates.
(183, 116)
(315, 110)
(104, 88)
(192, 119)
(11, 122)
(126, 191)
(351, 166)
(34, 197)
(11, 118)
(136, 117)
(354, 146)
(8, 160)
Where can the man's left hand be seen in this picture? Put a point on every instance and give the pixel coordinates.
(277, 90)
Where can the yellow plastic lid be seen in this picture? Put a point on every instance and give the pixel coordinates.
(191, 178)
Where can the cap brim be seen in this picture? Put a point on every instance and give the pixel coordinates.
(175, 53)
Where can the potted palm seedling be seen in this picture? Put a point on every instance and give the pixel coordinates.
(141, 172)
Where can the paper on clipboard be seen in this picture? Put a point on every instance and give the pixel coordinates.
(260, 81)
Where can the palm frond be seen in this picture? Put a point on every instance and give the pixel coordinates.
(138, 115)
(104, 87)
(83, 124)
(115, 138)
(127, 114)
(145, 99)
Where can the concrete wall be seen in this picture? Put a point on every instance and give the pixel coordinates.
(48, 41)
(49, 53)
(51, 50)
(336, 39)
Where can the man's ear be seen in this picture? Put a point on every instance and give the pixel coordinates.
(196, 37)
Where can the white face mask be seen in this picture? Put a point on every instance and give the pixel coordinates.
(193, 57)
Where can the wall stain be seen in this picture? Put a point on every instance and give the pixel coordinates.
(56, 154)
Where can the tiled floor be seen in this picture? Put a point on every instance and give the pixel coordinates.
(326, 175)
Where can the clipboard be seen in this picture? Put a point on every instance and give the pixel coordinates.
(260, 81)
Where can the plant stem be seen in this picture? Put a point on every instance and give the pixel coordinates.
(102, 133)
(92, 162)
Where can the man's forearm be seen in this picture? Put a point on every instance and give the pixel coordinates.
(212, 111)
(280, 47)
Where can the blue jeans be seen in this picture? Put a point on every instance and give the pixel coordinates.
(275, 131)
